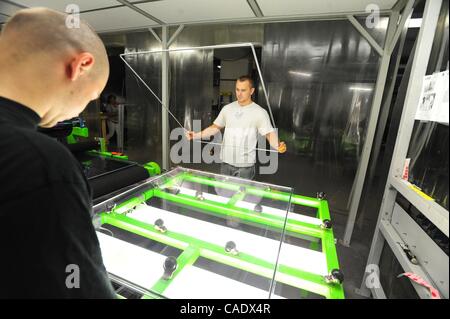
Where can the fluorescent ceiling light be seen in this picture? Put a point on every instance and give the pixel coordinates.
(360, 88)
(300, 73)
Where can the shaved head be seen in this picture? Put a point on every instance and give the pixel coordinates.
(39, 30)
(50, 64)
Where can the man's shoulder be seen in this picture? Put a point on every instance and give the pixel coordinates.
(259, 109)
(35, 147)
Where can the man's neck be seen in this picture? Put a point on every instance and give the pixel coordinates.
(12, 92)
(246, 103)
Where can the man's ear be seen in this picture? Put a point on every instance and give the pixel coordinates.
(80, 64)
(252, 91)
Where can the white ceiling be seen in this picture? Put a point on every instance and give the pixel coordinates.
(176, 11)
(114, 16)
(61, 5)
(122, 18)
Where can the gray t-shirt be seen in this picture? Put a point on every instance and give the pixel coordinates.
(242, 124)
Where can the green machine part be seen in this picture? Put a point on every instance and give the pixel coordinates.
(152, 168)
(193, 248)
(77, 132)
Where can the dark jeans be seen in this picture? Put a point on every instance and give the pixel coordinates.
(242, 172)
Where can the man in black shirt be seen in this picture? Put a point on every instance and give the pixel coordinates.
(48, 73)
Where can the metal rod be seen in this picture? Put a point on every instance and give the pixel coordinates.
(144, 13)
(365, 34)
(239, 147)
(255, 8)
(175, 35)
(209, 47)
(206, 47)
(151, 91)
(263, 84)
(405, 16)
(365, 156)
(165, 99)
(155, 35)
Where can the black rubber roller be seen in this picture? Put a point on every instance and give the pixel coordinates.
(83, 147)
(108, 183)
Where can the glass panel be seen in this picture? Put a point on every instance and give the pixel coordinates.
(307, 265)
(142, 113)
(320, 77)
(191, 234)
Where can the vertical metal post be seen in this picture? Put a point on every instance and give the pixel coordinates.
(120, 127)
(165, 97)
(418, 71)
(373, 119)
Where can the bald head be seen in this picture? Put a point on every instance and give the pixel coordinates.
(41, 30)
(50, 66)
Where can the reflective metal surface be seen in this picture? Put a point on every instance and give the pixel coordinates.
(320, 77)
(143, 112)
(191, 91)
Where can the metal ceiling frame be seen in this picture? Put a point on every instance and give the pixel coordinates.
(253, 4)
(385, 231)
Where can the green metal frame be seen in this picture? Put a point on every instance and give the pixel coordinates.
(193, 248)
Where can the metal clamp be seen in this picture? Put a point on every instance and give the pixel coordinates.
(412, 258)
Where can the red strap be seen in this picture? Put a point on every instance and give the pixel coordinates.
(416, 278)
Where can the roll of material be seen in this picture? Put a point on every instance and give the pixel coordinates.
(113, 181)
(83, 147)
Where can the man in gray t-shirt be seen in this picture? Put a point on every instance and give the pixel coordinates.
(242, 120)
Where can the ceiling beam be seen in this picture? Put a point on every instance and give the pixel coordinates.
(253, 4)
(144, 13)
(265, 19)
(365, 34)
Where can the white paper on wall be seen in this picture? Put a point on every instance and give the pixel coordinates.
(433, 103)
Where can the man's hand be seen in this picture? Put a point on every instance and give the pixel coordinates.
(282, 147)
(191, 135)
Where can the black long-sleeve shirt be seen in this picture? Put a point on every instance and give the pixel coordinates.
(46, 232)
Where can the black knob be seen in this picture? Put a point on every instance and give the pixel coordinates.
(321, 195)
(199, 195)
(159, 225)
(337, 275)
(242, 189)
(230, 246)
(258, 208)
(326, 224)
(170, 265)
(159, 222)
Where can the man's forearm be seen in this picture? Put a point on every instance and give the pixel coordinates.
(272, 138)
(208, 132)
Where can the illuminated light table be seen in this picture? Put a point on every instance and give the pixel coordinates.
(227, 237)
